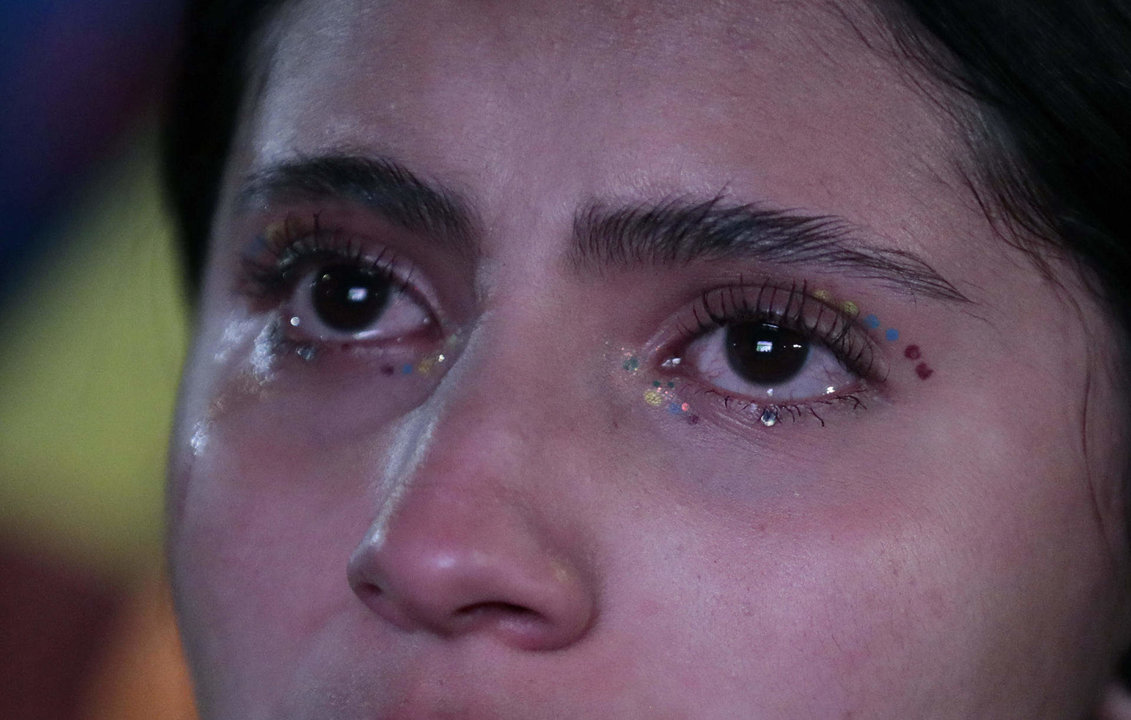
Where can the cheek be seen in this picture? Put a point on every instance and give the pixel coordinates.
(933, 557)
(260, 541)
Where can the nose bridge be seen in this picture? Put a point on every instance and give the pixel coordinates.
(474, 533)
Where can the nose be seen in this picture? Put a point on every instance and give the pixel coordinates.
(461, 548)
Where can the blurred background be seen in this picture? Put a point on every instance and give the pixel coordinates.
(93, 329)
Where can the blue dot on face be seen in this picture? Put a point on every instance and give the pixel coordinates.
(892, 334)
(872, 321)
(407, 369)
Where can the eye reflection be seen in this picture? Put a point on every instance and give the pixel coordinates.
(347, 298)
(348, 302)
(762, 360)
(763, 353)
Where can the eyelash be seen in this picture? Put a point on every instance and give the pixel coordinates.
(283, 254)
(790, 306)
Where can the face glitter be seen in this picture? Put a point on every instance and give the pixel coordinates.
(654, 398)
(769, 417)
(850, 308)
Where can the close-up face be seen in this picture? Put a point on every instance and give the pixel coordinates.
(633, 360)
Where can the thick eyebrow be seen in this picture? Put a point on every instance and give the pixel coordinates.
(680, 231)
(377, 183)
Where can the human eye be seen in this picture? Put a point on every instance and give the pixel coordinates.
(768, 353)
(334, 292)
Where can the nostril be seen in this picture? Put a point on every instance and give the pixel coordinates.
(501, 609)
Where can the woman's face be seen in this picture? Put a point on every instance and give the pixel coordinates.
(632, 360)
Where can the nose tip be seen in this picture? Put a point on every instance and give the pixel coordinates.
(479, 577)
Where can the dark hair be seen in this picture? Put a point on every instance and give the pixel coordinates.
(201, 113)
(1051, 82)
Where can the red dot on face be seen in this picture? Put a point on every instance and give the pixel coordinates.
(912, 352)
(923, 371)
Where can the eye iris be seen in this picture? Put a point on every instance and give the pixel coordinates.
(349, 298)
(765, 354)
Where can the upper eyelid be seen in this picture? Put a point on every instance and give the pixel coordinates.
(271, 263)
(799, 309)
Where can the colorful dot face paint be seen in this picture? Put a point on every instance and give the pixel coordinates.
(912, 352)
(892, 334)
(872, 322)
(923, 371)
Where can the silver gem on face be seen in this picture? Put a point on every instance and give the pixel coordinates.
(769, 417)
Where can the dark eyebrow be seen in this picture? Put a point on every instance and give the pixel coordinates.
(680, 231)
(378, 183)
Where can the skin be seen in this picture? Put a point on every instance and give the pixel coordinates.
(517, 534)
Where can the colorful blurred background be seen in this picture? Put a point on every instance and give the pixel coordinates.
(93, 329)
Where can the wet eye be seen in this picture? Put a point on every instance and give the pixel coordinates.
(763, 353)
(348, 302)
(347, 298)
(762, 360)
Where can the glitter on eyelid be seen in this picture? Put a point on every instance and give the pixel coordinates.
(850, 308)
(823, 295)
(654, 398)
(769, 417)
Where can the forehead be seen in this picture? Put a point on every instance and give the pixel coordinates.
(585, 99)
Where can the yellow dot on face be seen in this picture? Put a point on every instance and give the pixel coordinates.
(425, 366)
(275, 229)
(850, 308)
(653, 398)
(823, 295)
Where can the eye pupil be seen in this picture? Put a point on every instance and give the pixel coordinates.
(349, 298)
(765, 354)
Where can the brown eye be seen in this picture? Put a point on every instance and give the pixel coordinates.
(763, 353)
(348, 298)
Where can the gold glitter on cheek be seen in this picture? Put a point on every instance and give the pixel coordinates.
(653, 398)
(850, 308)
